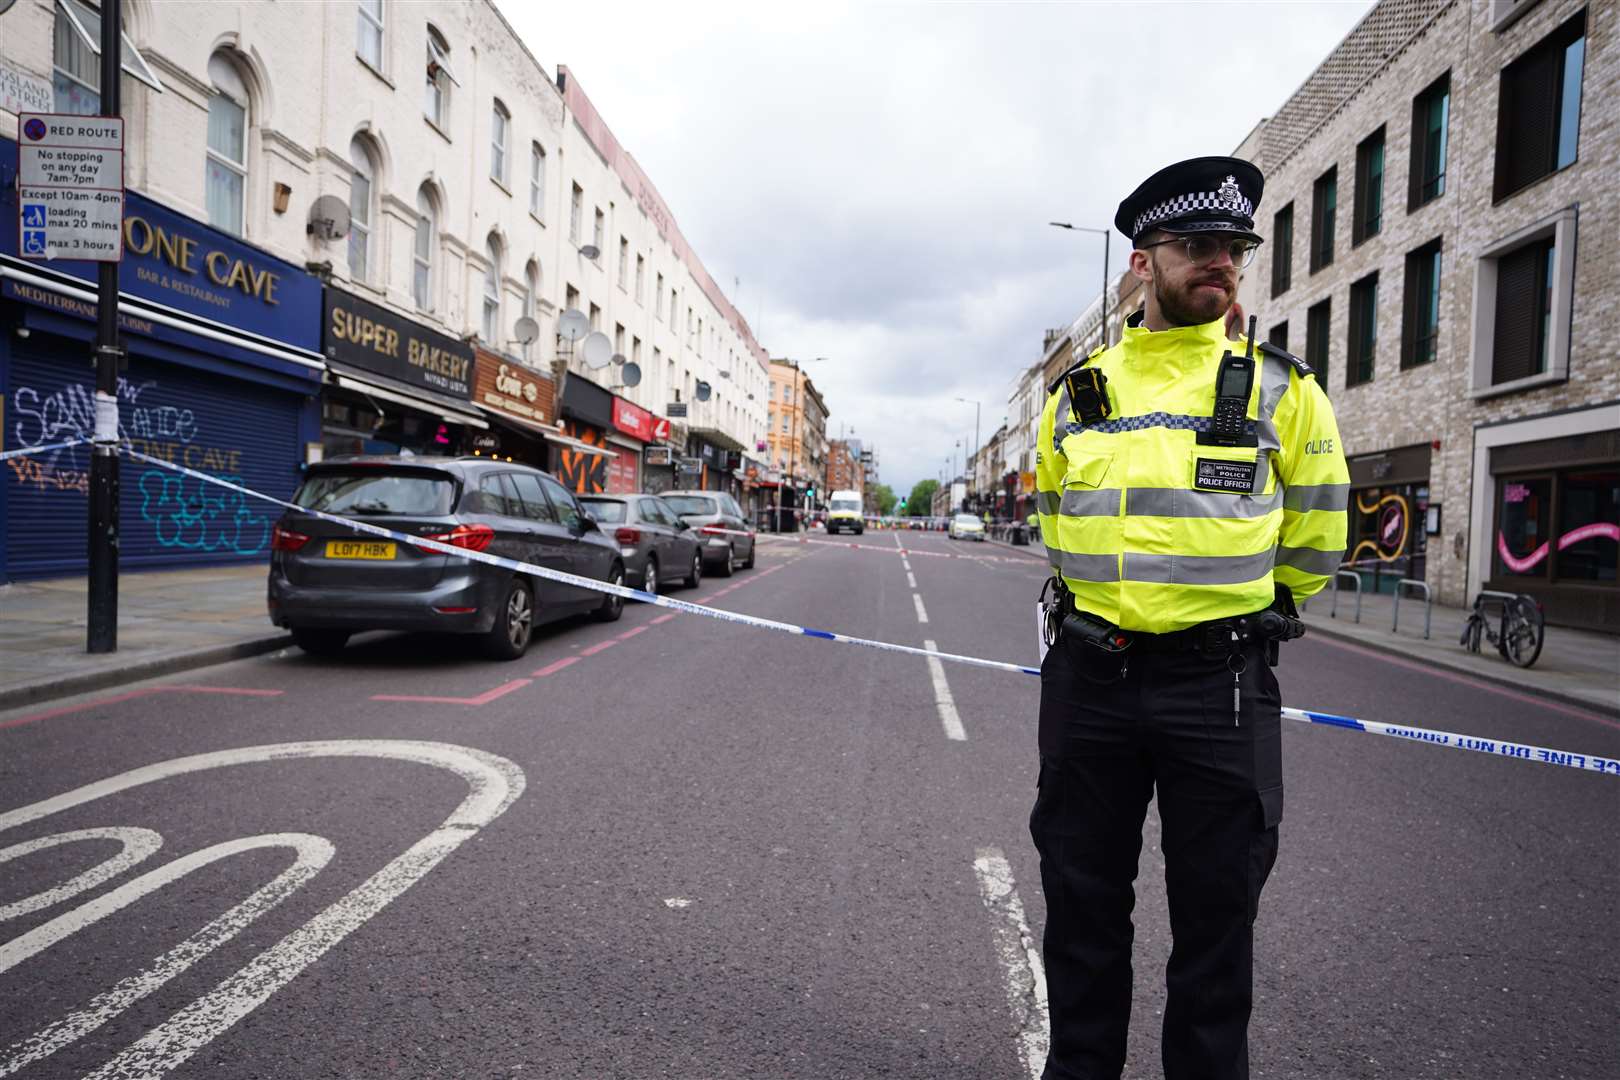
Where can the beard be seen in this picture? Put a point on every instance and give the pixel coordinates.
(1192, 305)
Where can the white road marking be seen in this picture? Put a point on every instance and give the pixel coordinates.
(136, 844)
(1020, 958)
(675, 903)
(494, 783)
(313, 853)
(922, 612)
(910, 579)
(942, 697)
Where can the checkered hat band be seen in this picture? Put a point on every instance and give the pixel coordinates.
(1172, 421)
(1182, 205)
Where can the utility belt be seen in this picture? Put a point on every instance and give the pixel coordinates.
(1218, 638)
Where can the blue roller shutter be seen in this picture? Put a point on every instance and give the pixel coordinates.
(230, 428)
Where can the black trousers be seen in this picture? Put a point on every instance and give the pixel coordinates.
(1109, 740)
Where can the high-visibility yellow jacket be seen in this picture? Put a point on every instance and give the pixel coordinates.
(1147, 538)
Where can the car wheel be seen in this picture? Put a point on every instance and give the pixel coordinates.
(509, 637)
(320, 642)
(724, 569)
(649, 582)
(612, 606)
(695, 577)
(748, 563)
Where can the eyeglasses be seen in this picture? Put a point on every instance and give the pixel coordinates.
(1202, 248)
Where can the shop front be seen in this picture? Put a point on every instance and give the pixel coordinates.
(635, 430)
(393, 386)
(582, 458)
(520, 404)
(1390, 516)
(1555, 525)
(223, 375)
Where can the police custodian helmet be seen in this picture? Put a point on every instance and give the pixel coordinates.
(1205, 194)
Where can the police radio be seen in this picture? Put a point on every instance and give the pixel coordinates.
(1228, 424)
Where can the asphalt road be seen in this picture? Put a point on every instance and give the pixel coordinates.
(675, 847)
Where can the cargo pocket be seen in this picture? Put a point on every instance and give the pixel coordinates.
(1263, 844)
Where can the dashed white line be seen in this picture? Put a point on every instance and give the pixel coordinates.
(922, 612)
(1020, 958)
(942, 697)
(910, 579)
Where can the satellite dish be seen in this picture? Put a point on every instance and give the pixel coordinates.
(631, 373)
(591, 251)
(597, 350)
(328, 218)
(703, 391)
(525, 330)
(573, 325)
(618, 358)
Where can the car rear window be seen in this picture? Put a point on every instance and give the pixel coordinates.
(691, 504)
(373, 491)
(604, 511)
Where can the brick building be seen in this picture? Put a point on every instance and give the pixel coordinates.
(1440, 220)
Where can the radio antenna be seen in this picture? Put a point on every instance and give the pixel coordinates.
(1250, 353)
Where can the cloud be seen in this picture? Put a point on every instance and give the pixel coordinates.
(880, 177)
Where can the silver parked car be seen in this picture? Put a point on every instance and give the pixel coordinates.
(656, 544)
(728, 538)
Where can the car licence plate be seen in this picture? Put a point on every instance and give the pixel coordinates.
(359, 549)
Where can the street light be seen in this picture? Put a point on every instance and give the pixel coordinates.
(975, 404)
(1102, 321)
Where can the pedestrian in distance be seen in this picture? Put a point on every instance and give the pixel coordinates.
(1191, 489)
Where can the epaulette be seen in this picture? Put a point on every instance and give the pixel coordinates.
(1076, 366)
(1283, 354)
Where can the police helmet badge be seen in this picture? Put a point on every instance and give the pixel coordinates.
(1230, 195)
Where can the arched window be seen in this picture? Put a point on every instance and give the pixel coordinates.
(76, 58)
(531, 301)
(362, 185)
(427, 239)
(537, 181)
(492, 293)
(436, 107)
(226, 179)
(500, 124)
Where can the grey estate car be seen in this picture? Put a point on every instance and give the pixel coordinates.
(728, 538)
(656, 544)
(328, 582)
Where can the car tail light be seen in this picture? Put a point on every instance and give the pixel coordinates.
(285, 539)
(627, 536)
(471, 537)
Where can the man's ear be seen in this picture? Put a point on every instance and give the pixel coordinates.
(1142, 265)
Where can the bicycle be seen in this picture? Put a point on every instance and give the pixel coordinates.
(1518, 635)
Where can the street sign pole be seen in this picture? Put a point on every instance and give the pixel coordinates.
(102, 633)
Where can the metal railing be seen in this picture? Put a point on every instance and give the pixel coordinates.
(1333, 612)
(1428, 603)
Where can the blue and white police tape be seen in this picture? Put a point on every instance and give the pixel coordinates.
(47, 448)
(1499, 748)
(608, 587)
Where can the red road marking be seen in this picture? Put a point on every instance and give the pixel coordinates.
(662, 618)
(482, 699)
(632, 633)
(132, 694)
(594, 649)
(552, 669)
(1466, 680)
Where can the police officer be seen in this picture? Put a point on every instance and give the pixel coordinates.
(1191, 489)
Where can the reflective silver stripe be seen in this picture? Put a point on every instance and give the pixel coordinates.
(1060, 417)
(1090, 502)
(1181, 503)
(1303, 497)
(1273, 384)
(1309, 560)
(1048, 501)
(1197, 569)
(1266, 432)
(1084, 567)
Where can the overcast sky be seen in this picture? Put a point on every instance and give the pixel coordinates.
(879, 177)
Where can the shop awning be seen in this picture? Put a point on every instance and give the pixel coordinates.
(550, 434)
(716, 436)
(421, 400)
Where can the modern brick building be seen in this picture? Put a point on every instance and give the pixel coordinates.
(1441, 221)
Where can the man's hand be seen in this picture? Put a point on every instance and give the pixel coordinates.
(1235, 322)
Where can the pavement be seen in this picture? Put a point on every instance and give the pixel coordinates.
(674, 847)
(168, 621)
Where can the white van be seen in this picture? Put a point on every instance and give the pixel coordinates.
(844, 512)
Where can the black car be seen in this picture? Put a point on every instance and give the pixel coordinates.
(328, 581)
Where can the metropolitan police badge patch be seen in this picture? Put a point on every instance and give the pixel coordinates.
(1216, 475)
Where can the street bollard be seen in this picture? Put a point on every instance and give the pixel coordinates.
(1428, 603)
